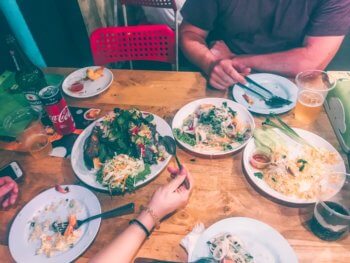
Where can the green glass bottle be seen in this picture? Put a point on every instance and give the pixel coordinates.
(29, 77)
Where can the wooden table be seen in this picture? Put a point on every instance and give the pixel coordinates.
(221, 189)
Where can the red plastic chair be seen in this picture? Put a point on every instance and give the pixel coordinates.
(170, 4)
(144, 42)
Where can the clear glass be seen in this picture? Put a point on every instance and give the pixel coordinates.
(25, 124)
(314, 86)
(331, 218)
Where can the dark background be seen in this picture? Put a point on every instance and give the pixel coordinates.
(59, 31)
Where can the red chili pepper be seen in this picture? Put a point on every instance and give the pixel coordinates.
(142, 148)
(134, 130)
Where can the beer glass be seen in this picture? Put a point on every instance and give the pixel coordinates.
(331, 218)
(314, 86)
(25, 124)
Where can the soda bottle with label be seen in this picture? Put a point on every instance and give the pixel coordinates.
(29, 77)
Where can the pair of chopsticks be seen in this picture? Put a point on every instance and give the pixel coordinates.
(272, 100)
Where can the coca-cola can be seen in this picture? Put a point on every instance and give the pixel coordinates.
(57, 109)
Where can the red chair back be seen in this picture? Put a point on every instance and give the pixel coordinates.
(154, 3)
(144, 42)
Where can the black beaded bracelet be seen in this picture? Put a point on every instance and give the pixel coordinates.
(142, 226)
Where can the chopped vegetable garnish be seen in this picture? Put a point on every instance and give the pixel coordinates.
(259, 175)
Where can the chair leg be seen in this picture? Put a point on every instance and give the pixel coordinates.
(176, 41)
(115, 13)
(124, 15)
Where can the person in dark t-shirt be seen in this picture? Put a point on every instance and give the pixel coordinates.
(228, 38)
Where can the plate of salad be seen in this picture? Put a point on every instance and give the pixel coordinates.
(292, 165)
(121, 151)
(213, 126)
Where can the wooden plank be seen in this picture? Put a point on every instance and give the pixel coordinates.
(221, 189)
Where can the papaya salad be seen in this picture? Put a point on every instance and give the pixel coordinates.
(122, 147)
(213, 129)
(290, 165)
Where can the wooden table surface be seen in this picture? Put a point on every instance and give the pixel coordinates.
(221, 189)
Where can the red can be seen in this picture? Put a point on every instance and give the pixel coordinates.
(57, 109)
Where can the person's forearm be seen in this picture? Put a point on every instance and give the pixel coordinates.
(288, 63)
(195, 49)
(125, 246)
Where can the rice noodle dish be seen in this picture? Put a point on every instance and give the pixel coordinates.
(213, 129)
(226, 247)
(294, 169)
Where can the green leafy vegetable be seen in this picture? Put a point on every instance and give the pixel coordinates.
(285, 128)
(185, 137)
(303, 163)
(259, 175)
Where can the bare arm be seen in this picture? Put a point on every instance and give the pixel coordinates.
(316, 53)
(222, 72)
(126, 245)
(195, 48)
(165, 200)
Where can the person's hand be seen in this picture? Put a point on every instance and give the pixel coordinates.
(226, 72)
(172, 196)
(8, 191)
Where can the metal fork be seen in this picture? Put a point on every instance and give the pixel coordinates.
(119, 211)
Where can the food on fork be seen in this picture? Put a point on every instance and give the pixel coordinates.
(94, 74)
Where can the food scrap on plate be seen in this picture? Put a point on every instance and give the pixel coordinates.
(248, 99)
(51, 241)
(94, 74)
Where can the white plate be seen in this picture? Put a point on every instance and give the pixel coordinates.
(261, 240)
(191, 107)
(310, 137)
(89, 176)
(278, 85)
(24, 251)
(91, 88)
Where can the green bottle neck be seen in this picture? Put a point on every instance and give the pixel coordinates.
(21, 61)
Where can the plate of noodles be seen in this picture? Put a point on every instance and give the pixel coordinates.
(213, 126)
(243, 240)
(292, 171)
(32, 236)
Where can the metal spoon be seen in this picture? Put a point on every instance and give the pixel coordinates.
(170, 146)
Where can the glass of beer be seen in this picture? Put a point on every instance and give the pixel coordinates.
(25, 124)
(314, 86)
(331, 218)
